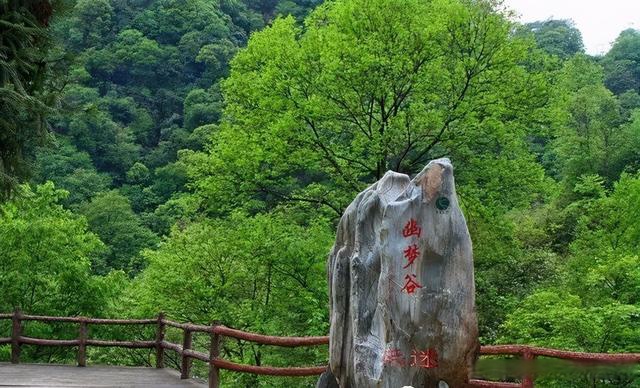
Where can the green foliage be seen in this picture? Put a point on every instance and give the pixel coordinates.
(92, 130)
(110, 216)
(24, 103)
(169, 179)
(596, 137)
(167, 21)
(141, 78)
(261, 261)
(70, 170)
(594, 304)
(244, 157)
(592, 138)
(300, 127)
(179, 209)
(139, 82)
(134, 58)
(259, 273)
(557, 37)
(47, 255)
(138, 173)
(93, 24)
(200, 108)
(612, 220)
(622, 63)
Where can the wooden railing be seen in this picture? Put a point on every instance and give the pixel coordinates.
(184, 350)
(217, 332)
(529, 354)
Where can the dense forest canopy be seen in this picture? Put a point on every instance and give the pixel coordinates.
(194, 156)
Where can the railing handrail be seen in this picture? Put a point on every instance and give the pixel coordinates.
(270, 340)
(617, 358)
(284, 341)
(218, 331)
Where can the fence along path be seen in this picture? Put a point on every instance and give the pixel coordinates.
(217, 332)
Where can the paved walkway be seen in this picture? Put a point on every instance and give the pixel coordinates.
(30, 375)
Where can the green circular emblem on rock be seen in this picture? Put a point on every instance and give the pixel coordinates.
(442, 203)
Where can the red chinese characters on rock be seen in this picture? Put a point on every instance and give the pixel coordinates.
(426, 359)
(394, 357)
(410, 285)
(411, 229)
(411, 254)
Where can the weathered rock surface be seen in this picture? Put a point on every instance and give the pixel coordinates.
(402, 288)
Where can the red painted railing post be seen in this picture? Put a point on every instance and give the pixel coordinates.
(527, 380)
(214, 353)
(160, 329)
(16, 332)
(185, 371)
(82, 343)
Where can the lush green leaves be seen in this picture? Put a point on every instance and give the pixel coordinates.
(47, 255)
(594, 304)
(622, 63)
(245, 177)
(557, 37)
(110, 216)
(317, 114)
(260, 274)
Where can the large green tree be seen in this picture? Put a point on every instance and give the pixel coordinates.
(316, 114)
(110, 216)
(46, 256)
(622, 63)
(45, 267)
(259, 274)
(557, 37)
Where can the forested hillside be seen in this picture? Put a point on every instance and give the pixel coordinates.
(194, 157)
(141, 81)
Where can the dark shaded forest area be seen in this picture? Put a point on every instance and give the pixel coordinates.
(194, 157)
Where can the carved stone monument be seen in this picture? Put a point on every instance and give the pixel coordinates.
(401, 286)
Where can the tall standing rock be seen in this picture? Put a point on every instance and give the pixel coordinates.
(402, 289)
